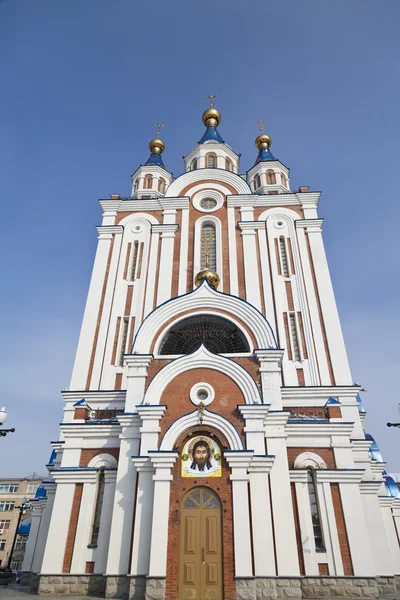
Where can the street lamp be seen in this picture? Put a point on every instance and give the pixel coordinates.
(394, 424)
(25, 505)
(3, 417)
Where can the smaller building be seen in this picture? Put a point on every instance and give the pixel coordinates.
(12, 493)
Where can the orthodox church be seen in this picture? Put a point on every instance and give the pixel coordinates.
(212, 444)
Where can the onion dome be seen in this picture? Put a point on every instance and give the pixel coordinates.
(210, 276)
(391, 486)
(263, 143)
(374, 451)
(211, 119)
(157, 147)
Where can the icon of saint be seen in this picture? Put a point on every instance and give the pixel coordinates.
(201, 456)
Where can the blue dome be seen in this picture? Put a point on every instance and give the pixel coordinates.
(40, 492)
(155, 159)
(360, 404)
(374, 451)
(211, 135)
(25, 527)
(263, 155)
(391, 487)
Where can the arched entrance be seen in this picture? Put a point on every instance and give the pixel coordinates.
(200, 559)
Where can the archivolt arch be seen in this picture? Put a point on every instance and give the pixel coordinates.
(103, 460)
(139, 216)
(210, 419)
(204, 298)
(194, 177)
(202, 359)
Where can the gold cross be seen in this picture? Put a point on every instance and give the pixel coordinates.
(158, 126)
(210, 98)
(261, 124)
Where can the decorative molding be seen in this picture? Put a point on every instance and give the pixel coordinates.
(309, 459)
(312, 225)
(200, 175)
(339, 475)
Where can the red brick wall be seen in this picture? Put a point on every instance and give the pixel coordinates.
(73, 523)
(325, 453)
(341, 529)
(88, 453)
(297, 527)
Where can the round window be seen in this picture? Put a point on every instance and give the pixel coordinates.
(202, 395)
(208, 203)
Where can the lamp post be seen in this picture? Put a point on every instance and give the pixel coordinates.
(25, 505)
(394, 424)
(3, 417)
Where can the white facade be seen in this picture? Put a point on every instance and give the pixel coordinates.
(302, 493)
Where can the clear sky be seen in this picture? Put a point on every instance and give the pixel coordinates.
(82, 84)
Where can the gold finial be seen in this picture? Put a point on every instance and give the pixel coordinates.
(261, 124)
(156, 145)
(211, 277)
(210, 98)
(158, 127)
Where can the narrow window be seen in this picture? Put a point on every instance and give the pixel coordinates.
(271, 177)
(211, 161)
(295, 337)
(136, 185)
(282, 246)
(134, 260)
(98, 507)
(148, 182)
(228, 164)
(208, 247)
(193, 166)
(315, 516)
(123, 341)
(2, 544)
(161, 185)
(257, 182)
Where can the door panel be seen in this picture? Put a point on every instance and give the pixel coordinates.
(200, 547)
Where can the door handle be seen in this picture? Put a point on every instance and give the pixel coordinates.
(202, 555)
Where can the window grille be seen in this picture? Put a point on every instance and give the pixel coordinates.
(315, 516)
(216, 333)
(4, 526)
(98, 507)
(295, 337)
(208, 259)
(282, 246)
(134, 260)
(9, 488)
(7, 505)
(2, 544)
(123, 341)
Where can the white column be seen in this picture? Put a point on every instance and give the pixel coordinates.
(331, 537)
(152, 270)
(270, 362)
(143, 516)
(375, 527)
(282, 508)
(136, 379)
(44, 527)
(266, 275)
(390, 531)
(340, 363)
(163, 463)
(59, 524)
(396, 517)
(36, 517)
(85, 344)
(251, 275)
(100, 554)
(254, 416)
(84, 525)
(233, 269)
(124, 498)
(239, 462)
(166, 260)
(183, 256)
(299, 478)
(263, 537)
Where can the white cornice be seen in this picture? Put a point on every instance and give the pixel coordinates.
(108, 230)
(370, 487)
(94, 395)
(319, 429)
(239, 201)
(339, 475)
(309, 199)
(268, 164)
(261, 464)
(164, 228)
(301, 394)
(95, 430)
(249, 226)
(312, 225)
(287, 199)
(298, 475)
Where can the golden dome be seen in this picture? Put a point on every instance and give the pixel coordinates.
(157, 146)
(211, 117)
(211, 277)
(263, 141)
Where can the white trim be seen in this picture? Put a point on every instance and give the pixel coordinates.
(103, 460)
(202, 386)
(309, 459)
(209, 419)
(204, 298)
(199, 175)
(202, 359)
(202, 194)
(164, 332)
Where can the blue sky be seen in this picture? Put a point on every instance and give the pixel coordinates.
(84, 81)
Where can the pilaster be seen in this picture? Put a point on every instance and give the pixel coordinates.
(270, 362)
(167, 231)
(136, 379)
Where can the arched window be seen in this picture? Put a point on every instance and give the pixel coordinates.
(283, 180)
(134, 260)
(216, 333)
(315, 515)
(284, 262)
(271, 177)
(161, 185)
(257, 182)
(208, 257)
(136, 185)
(98, 507)
(211, 160)
(228, 164)
(193, 166)
(295, 337)
(148, 182)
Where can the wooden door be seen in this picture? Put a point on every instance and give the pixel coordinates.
(200, 564)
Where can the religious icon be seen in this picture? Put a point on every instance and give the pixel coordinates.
(201, 457)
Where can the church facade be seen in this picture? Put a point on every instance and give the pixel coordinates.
(212, 444)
